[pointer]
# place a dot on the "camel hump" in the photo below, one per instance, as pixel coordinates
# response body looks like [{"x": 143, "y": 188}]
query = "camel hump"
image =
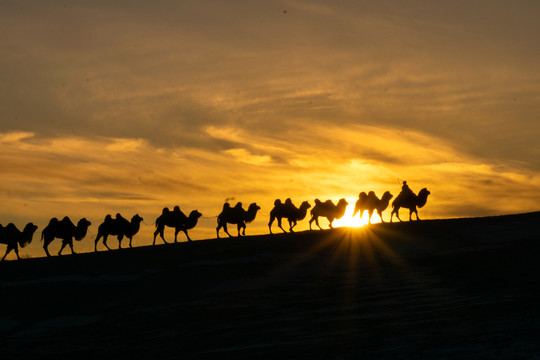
[
  {"x": 54, "y": 221},
  {"x": 328, "y": 203},
  {"x": 66, "y": 220},
  {"x": 165, "y": 211},
  {"x": 277, "y": 202},
  {"x": 318, "y": 202},
  {"x": 11, "y": 227},
  {"x": 226, "y": 207},
  {"x": 121, "y": 219}
]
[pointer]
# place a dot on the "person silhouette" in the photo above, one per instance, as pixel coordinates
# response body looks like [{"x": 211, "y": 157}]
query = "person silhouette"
[{"x": 406, "y": 190}]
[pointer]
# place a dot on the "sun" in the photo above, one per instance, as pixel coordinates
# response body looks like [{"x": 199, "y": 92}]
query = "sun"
[{"x": 349, "y": 221}]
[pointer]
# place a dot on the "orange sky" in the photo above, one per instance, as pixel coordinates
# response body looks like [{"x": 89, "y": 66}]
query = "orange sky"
[{"x": 131, "y": 106}]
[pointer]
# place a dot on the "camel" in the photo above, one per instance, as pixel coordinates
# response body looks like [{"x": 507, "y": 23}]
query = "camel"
[
  {"x": 178, "y": 220},
  {"x": 120, "y": 227},
  {"x": 64, "y": 230},
  {"x": 13, "y": 237},
  {"x": 328, "y": 210},
  {"x": 409, "y": 201},
  {"x": 288, "y": 211},
  {"x": 236, "y": 215},
  {"x": 371, "y": 203}
]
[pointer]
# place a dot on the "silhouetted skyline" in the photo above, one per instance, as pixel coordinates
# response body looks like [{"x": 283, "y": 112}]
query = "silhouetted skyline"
[{"x": 129, "y": 107}]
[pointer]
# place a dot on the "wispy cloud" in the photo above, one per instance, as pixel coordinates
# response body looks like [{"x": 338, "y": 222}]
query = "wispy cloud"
[{"x": 133, "y": 106}]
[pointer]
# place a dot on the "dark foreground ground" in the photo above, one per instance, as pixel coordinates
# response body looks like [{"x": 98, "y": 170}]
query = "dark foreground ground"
[{"x": 439, "y": 289}]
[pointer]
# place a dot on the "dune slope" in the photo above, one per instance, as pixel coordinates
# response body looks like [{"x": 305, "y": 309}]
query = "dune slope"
[{"x": 437, "y": 289}]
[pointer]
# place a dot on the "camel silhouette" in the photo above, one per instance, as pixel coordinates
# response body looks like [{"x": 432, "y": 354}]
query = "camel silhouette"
[
  {"x": 176, "y": 219},
  {"x": 64, "y": 230},
  {"x": 120, "y": 227},
  {"x": 371, "y": 203},
  {"x": 236, "y": 215},
  {"x": 409, "y": 201},
  {"x": 288, "y": 211},
  {"x": 328, "y": 210},
  {"x": 13, "y": 237}
]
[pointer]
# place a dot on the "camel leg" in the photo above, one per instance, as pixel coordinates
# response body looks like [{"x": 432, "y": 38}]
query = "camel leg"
[
  {"x": 411, "y": 211},
  {"x": 272, "y": 218},
  {"x": 238, "y": 227},
  {"x": 226, "y": 230},
  {"x": 155, "y": 234},
  {"x": 217, "y": 230},
  {"x": 395, "y": 211},
  {"x": 380, "y": 215},
  {"x": 310, "y": 221},
  {"x": 105, "y": 241},
  {"x": 244, "y": 229},
  {"x": 291, "y": 225},
  {"x": 279, "y": 225},
  {"x": 185, "y": 232},
  {"x": 120, "y": 238},
  {"x": 370, "y": 213},
  {"x": 8, "y": 250},
  {"x": 161, "y": 235},
  {"x": 96, "y": 242},
  {"x": 330, "y": 223},
  {"x": 176, "y": 231},
  {"x": 317, "y": 223},
  {"x": 45, "y": 247},
  {"x": 160, "y": 231},
  {"x": 71, "y": 246},
  {"x": 130, "y": 238},
  {"x": 62, "y": 248}
]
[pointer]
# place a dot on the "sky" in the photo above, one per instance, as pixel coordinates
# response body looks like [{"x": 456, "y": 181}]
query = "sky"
[{"x": 132, "y": 106}]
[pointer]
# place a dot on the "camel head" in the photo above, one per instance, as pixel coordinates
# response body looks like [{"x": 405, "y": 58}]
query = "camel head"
[
  {"x": 305, "y": 205},
  {"x": 422, "y": 197},
  {"x": 28, "y": 234},
  {"x": 424, "y": 192},
  {"x": 342, "y": 203},
  {"x": 254, "y": 207},
  {"x": 387, "y": 196},
  {"x": 194, "y": 215},
  {"x": 83, "y": 223},
  {"x": 136, "y": 219},
  {"x": 82, "y": 229}
]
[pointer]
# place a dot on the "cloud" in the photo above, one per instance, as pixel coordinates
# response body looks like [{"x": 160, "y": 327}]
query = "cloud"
[{"x": 134, "y": 106}]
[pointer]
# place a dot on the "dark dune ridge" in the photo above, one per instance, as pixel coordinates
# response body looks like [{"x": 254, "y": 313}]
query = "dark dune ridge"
[{"x": 435, "y": 289}]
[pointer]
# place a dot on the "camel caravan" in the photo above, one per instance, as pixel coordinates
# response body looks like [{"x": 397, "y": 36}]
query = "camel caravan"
[{"x": 121, "y": 228}]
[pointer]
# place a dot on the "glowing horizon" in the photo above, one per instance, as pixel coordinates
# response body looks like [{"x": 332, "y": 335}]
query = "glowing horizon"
[{"x": 126, "y": 107}]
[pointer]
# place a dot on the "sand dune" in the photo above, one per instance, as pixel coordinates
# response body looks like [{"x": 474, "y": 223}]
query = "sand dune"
[{"x": 437, "y": 289}]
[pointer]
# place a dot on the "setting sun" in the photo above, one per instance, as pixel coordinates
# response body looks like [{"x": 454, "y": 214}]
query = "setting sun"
[{"x": 349, "y": 221}]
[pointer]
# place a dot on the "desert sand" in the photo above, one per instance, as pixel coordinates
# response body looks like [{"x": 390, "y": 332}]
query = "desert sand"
[{"x": 434, "y": 289}]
